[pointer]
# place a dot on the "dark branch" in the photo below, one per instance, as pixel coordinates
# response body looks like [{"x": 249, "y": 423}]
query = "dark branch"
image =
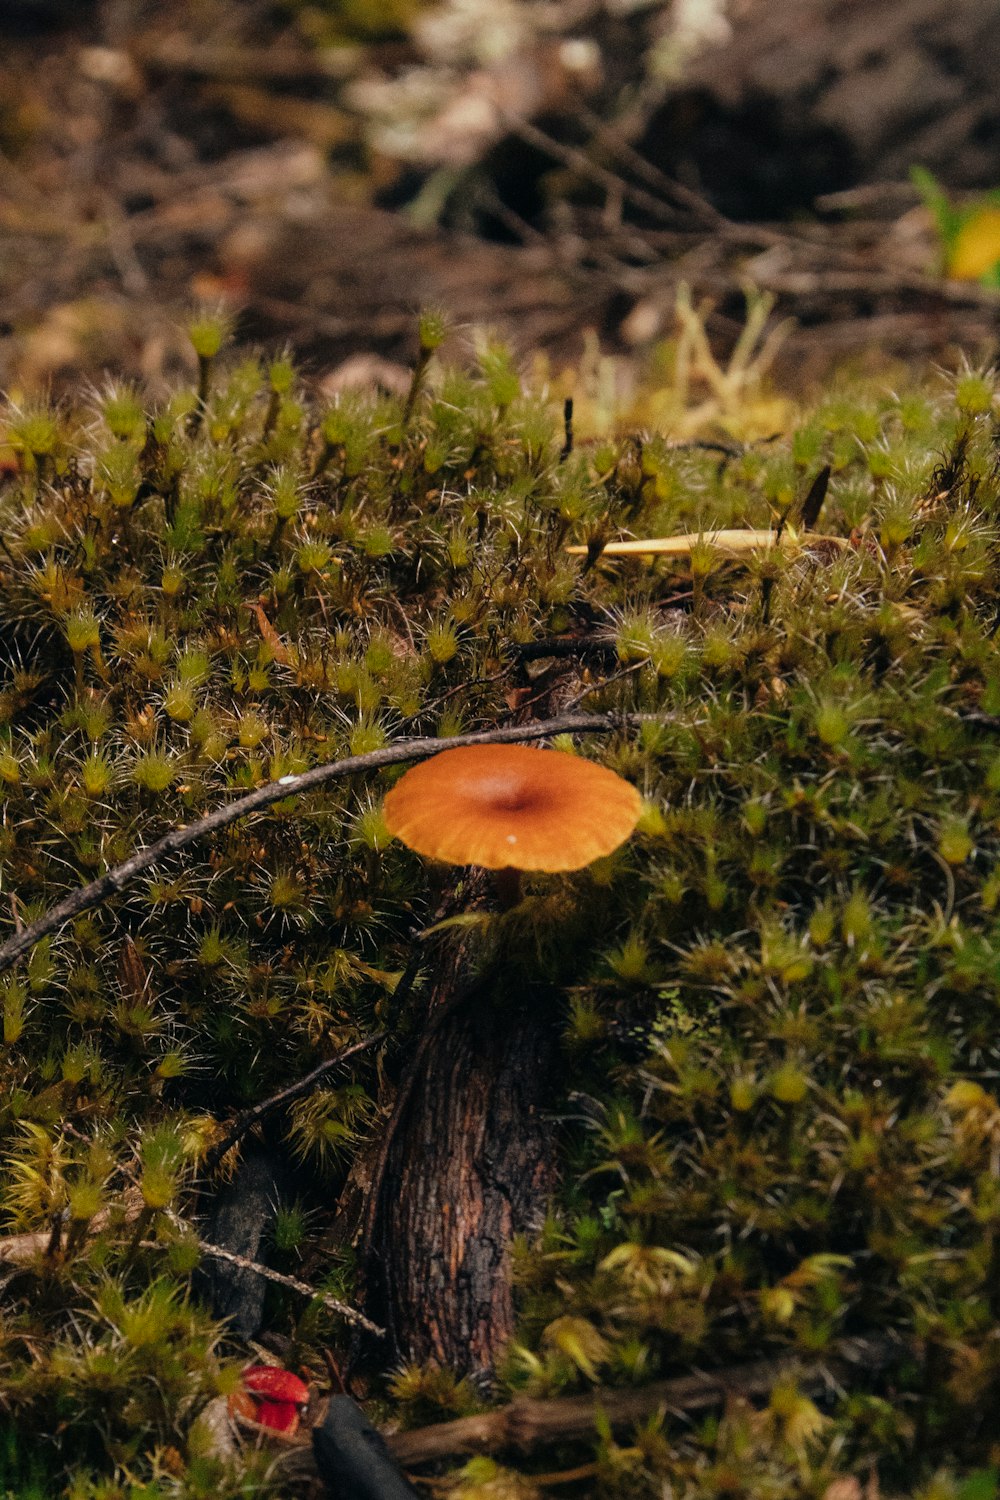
[
  {"x": 116, "y": 879},
  {"x": 308, "y": 1081},
  {"x": 563, "y": 646},
  {"x": 527, "y": 1423}
]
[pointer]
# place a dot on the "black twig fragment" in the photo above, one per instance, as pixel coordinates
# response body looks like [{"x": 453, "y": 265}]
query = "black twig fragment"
[
  {"x": 353, "y": 1460},
  {"x": 813, "y": 503},
  {"x": 567, "y": 447}
]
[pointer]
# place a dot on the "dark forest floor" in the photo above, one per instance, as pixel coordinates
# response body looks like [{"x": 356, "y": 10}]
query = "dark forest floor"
[{"x": 199, "y": 159}]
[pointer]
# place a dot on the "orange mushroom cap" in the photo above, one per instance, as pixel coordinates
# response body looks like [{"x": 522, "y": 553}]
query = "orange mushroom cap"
[{"x": 512, "y": 807}]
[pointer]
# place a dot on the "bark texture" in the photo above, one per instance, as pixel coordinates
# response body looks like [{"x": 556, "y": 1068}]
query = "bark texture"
[
  {"x": 468, "y": 1164},
  {"x": 240, "y": 1221}
]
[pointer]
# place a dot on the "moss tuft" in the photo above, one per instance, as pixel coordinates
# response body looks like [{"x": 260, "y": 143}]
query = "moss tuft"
[{"x": 778, "y": 1002}]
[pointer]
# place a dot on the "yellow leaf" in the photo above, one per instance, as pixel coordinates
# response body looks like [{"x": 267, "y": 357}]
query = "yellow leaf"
[
  {"x": 977, "y": 246},
  {"x": 580, "y": 1341}
]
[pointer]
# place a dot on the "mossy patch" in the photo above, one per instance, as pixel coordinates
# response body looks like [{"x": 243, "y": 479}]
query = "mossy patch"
[{"x": 780, "y": 998}]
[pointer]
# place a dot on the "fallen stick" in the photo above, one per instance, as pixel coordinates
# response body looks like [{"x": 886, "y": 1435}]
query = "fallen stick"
[
  {"x": 24, "y": 1249},
  {"x": 236, "y": 64},
  {"x": 217, "y": 1252},
  {"x": 527, "y": 1423}
]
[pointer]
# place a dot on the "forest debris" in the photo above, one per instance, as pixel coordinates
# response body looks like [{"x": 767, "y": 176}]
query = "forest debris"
[
  {"x": 279, "y": 651},
  {"x": 212, "y": 1434},
  {"x": 813, "y": 503},
  {"x": 364, "y": 371},
  {"x": 258, "y": 108},
  {"x": 21, "y": 1249},
  {"x": 113, "y": 67},
  {"x": 231, "y": 62},
  {"x": 353, "y": 1457},
  {"x": 734, "y": 542},
  {"x": 217, "y": 1252},
  {"x": 528, "y": 1423},
  {"x": 293, "y": 288}
]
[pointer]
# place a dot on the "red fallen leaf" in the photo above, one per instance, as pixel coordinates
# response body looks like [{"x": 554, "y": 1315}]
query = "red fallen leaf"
[
  {"x": 242, "y": 1404},
  {"x": 283, "y": 1416},
  {"x": 275, "y": 1396},
  {"x": 272, "y": 1384}
]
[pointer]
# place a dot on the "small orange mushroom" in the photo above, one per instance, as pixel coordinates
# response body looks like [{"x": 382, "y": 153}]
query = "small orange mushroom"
[{"x": 512, "y": 808}]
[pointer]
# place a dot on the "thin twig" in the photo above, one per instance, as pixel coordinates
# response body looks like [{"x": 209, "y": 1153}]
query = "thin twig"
[
  {"x": 235, "y": 64},
  {"x": 876, "y": 283},
  {"x": 560, "y": 646},
  {"x": 579, "y": 161},
  {"x": 216, "y": 1252},
  {"x": 115, "y": 880},
  {"x": 303, "y": 1085},
  {"x": 701, "y": 210},
  {"x": 567, "y": 447},
  {"x": 729, "y": 450},
  {"x": 596, "y": 687}
]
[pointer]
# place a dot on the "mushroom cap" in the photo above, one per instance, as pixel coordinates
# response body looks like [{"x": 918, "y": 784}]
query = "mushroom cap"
[{"x": 512, "y": 807}]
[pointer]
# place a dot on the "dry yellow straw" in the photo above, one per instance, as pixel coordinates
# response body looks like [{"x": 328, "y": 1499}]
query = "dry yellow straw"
[{"x": 734, "y": 542}]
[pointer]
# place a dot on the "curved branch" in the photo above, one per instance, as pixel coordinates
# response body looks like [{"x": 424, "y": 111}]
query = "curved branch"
[
  {"x": 249, "y": 1117},
  {"x": 116, "y": 879},
  {"x": 528, "y": 1423}
]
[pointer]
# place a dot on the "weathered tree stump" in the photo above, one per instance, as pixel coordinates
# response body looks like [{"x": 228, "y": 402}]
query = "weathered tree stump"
[{"x": 468, "y": 1163}]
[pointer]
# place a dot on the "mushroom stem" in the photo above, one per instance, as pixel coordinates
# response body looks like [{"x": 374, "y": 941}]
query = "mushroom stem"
[{"x": 507, "y": 884}]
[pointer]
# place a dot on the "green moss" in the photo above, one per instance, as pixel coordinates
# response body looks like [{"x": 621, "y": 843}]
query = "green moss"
[{"x": 779, "y": 1001}]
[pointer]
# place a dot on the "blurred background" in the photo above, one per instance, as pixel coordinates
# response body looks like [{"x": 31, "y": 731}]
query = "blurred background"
[{"x": 813, "y": 183}]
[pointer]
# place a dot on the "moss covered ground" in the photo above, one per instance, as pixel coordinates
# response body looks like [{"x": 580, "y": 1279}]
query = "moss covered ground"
[{"x": 779, "y": 1000}]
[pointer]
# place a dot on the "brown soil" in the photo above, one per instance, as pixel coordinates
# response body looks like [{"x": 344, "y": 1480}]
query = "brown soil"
[{"x": 142, "y": 173}]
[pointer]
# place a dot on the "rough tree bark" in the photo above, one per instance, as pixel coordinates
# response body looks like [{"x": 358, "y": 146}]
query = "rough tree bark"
[{"x": 467, "y": 1163}]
